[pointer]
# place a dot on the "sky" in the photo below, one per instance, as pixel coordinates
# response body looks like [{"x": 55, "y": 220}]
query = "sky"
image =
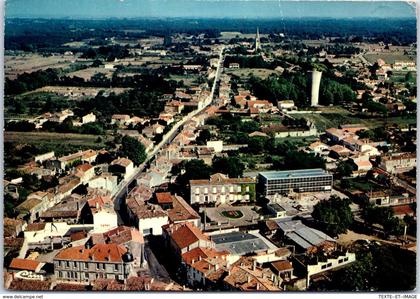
[{"x": 206, "y": 8}]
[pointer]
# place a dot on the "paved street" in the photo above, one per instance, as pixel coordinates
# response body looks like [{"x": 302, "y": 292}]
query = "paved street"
[{"x": 156, "y": 269}]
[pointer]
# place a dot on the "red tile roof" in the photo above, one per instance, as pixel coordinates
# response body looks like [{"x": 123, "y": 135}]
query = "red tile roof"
[
  {"x": 201, "y": 252},
  {"x": 181, "y": 210},
  {"x": 187, "y": 234},
  {"x": 35, "y": 227},
  {"x": 25, "y": 264},
  {"x": 282, "y": 266},
  {"x": 164, "y": 197},
  {"x": 84, "y": 167},
  {"x": 99, "y": 253},
  {"x": 70, "y": 287},
  {"x": 403, "y": 210},
  {"x": 30, "y": 285}
]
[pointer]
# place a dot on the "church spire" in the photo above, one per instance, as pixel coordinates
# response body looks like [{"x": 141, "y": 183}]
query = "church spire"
[{"x": 257, "y": 41}]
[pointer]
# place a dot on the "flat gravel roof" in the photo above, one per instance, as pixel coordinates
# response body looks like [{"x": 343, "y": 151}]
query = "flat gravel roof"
[{"x": 286, "y": 174}]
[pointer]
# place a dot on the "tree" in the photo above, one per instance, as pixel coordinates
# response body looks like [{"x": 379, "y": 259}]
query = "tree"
[
  {"x": 255, "y": 145},
  {"x": 334, "y": 215},
  {"x": 299, "y": 160},
  {"x": 197, "y": 169},
  {"x": 133, "y": 149},
  {"x": 232, "y": 166},
  {"x": 344, "y": 169},
  {"x": 204, "y": 136}
]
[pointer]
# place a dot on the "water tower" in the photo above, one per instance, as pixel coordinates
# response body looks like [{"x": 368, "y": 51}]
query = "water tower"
[{"x": 314, "y": 78}]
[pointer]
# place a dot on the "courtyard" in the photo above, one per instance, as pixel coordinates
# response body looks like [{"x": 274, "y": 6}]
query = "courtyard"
[{"x": 228, "y": 216}]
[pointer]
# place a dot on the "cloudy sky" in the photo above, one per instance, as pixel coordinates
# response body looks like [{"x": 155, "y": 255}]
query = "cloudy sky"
[{"x": 206, "y": 8}]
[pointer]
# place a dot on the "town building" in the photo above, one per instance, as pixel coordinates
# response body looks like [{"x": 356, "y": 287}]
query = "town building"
[
  {"x": 148, "y": 218},
  {"x": 177, "y": 208},
  {"x": 123, "y": 166},
  {"x": 398, "y": 163},
  {"x": 183, "y": 237},
  {"x": 128, "y": 237},
  {"x": 303, "y": 180},
  {"x": 88, "y": 118},
  {"x": 220, "y": 189},
  {"x": 102, "y": 261}
]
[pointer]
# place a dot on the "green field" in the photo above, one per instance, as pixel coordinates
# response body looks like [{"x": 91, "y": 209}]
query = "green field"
[
  {"x": 247, "y": 72},
  {"x": 61, "y": 143},
  {"x": 388, "y": 57},
  {"x": 33, "y": 103},
  {"x": 329, "y": 120}
]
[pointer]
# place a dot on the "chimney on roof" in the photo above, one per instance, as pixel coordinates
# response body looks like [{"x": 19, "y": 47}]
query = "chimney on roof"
[
  {"x": 248, "y": 278},
  {"x": 254, "y": 265},
  {"x": 97, "y": 205},
  {"x": 258, "y": 286}
]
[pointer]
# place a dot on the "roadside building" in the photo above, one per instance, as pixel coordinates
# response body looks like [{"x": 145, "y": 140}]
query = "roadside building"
[
  {"x": 398, "y": 163},
  {"x": 123, "y": 166},
  {"x": 102, "y": 261},
  {"x": 221, "y": 189}
]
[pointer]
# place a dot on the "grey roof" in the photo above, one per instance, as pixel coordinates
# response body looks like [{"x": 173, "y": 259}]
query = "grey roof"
[
  {"x": 276, "y": 207},
  {"x": 239, "y": 243},
  {"x": 303, "y": 235},
  {"x": 293, "y": 173}
]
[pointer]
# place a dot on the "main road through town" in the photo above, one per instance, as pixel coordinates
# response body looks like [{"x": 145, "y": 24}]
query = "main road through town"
[{"x": 126, "y": 185}]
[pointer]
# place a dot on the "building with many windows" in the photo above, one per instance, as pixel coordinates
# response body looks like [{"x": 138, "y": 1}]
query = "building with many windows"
[
  {"x": 285, "y": 182},
  {"x": 83, "y": 264},
  {"x": 220, "y": 189}
]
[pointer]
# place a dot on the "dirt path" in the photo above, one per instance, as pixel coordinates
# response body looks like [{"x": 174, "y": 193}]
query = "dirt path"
[{"x": 351, "y": 236}]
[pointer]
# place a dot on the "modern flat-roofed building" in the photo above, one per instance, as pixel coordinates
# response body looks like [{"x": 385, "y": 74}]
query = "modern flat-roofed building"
[{"x": 303, "y": 180}]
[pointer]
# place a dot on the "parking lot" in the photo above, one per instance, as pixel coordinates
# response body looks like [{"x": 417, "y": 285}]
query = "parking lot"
[{"x": 303, "y": 203}]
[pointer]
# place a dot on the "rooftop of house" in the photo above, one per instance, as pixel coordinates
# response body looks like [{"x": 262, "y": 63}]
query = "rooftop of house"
[
  {"x": 185, "y": 234},
  {"x": 164, "y": 197},
  {"x": 84, "y": 167},
  {"x": 122, "y": 162},
  {"x": 398, "y": 156},
  {"x": 26, "y": 264},
  {"x": 245, "y": 277},
  {"x": 82, "y": 154},
  {"x": 35, "y": 227},
  {"x": 143, "y": 210},
  {"x": 220, "y": 179},
  {"x": 339, "y": 149},
  {"x": 70, "y": 287},
  {"x": 10, "y": 225},
  {"x": 181, "y": 210},
  {"x": 119, "y": 235},
  {"x": 199, "y": 253},
  {"x": 403, "y": 210},
  {"x": 99, "y": 253},
  {"x": 30, "y": 285},
  {"x": 28, "y": 205},
  {"x": 120, "y": 116},
  {"x": 98, "y": 203},
  {"x": 316, "y": 144},
  {"x": 282, "y": 265}
]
